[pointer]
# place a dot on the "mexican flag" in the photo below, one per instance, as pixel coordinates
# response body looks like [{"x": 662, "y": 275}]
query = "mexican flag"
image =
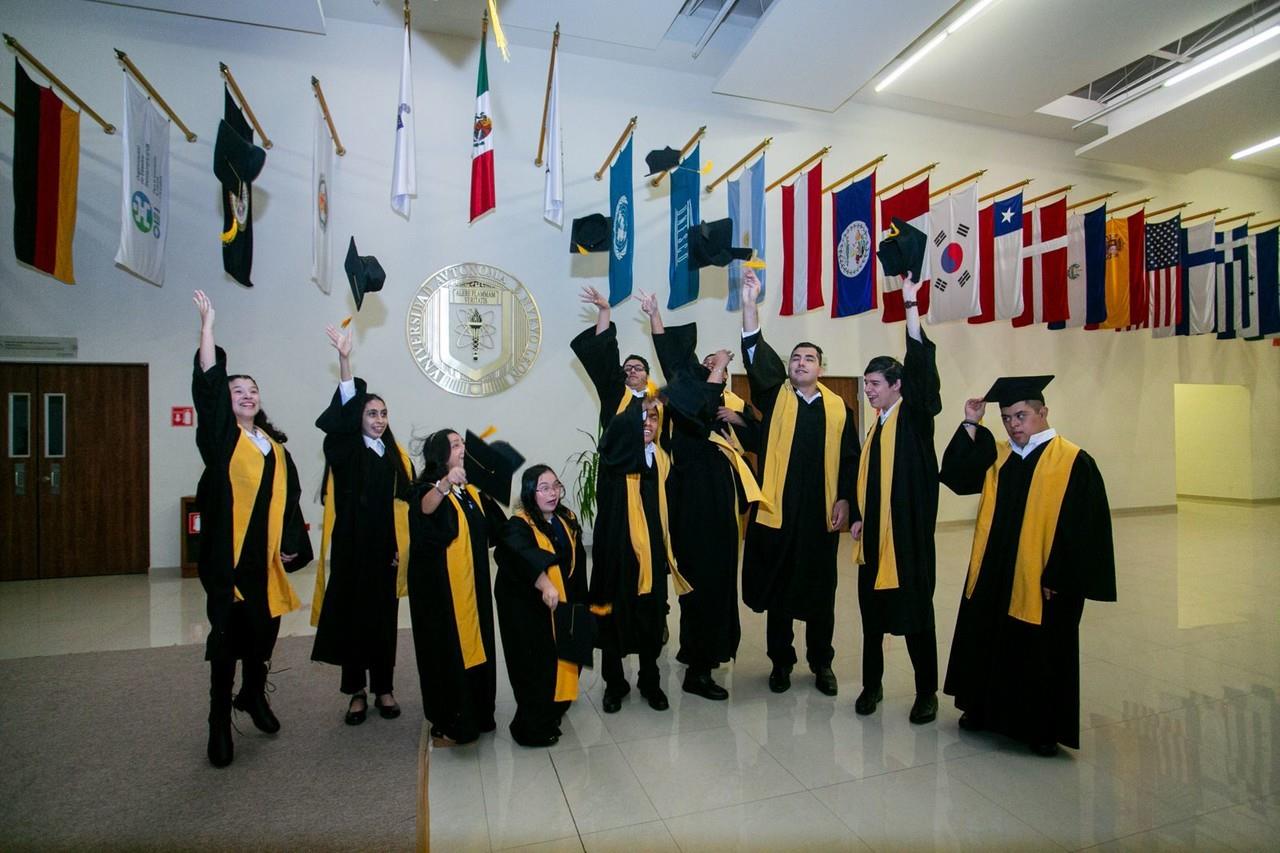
[{"x": 483, "y": 196}]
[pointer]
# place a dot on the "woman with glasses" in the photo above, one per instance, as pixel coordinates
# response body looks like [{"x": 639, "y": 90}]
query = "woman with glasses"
[{"x": 541, "y": 566}]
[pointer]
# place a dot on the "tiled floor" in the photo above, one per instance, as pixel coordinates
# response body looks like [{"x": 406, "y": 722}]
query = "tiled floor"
[{"x": 1179, "y": 719}]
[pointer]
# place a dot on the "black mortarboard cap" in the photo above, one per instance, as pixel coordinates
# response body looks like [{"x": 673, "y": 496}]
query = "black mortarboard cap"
[
  {"x": 1009, "y": 390},
  {"x": 490, "y": 466},
  {"x": 575, "y": 633},
  {"x": 687, "y": 395},
  {"x": 709, "y": 245},
  {"x": 363, "y": 272},
  {"x": 236, "y": 160},
  {"x": 902, "y": 252},
  {"x": 593, "y": 233},
  {"x": 662, "y": 160}
]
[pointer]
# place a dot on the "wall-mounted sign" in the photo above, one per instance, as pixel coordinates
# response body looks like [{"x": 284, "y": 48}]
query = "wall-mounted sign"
[
  {"x": 473, "y": 329},
  {"x": 182, "y": 416}
]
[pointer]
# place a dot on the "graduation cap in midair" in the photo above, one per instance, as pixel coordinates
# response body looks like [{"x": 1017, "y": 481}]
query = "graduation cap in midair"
[
  {"x": 490, "y": 466},
  {"x": 902, "y": 252},
  {"x": 236, "y": 160},
  {"x": 709, "y": 245},
  {"x": 363, "y": 272},
  {"x": 662, "y": 160},
  {"x": 1011, "y": 390},
  {"x": 591, "y": 233},
  {"x": 687, "y": 395}
]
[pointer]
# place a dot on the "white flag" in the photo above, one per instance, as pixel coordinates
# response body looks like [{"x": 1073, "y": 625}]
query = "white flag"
[
  {"x": 404, "y": 176},
  {"x": 144, "y": 223},
  {"x": 953, "y": 257},
  {"x": 321, "y": 194},
  {"x": 553, "y": 190},
  {"x": 1201, "y": 273}
]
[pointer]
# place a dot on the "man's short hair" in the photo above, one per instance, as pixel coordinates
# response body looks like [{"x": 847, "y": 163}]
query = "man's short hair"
[
  {"x": 822, "y": 359},
  {"x": 887, "y": 366},
  {"x": 641, "y": 359}
]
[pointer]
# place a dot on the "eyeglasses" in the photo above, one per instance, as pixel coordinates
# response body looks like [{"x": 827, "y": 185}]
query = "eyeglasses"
[
  {"x": 556, "y": 489},
  {"x": 634, "y": 368}
]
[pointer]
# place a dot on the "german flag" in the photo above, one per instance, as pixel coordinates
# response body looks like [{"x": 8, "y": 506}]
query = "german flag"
[{"x": 46, "y": 166}]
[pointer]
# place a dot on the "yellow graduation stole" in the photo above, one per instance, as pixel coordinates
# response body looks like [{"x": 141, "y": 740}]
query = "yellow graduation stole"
[
  {"x": 782, "y": 428},
  {"x": 566, "y": 671},
  {"x": 650, "y": 390},
  {"x": 462, "y": 584},
  {"x": 638, "y": 527},
  {"x": 245, "y": 473},
  {"x": 1039, "y": 524},
  {"x": 887, "y": 565},
  {"x": 401, "y": 510}
]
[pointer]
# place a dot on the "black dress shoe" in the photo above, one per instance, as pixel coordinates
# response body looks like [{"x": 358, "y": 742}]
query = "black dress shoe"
[
  {"x": 702, "y": 685},
  {"x": 613, "y": 698},
  {"x": 925, "y": 709},
  {"x": 524, "y": 738},
  {"x": 657, "y": 699},
  {"x": 387, "y": 712},
  {"x": 971, "y": 722},
  {"x": 867, "y": 700},
  {"x": 1047, "y": 749},
  {"x": 356, "y": 716},
  {"x": 780, "y": 679},
  {"x": 259, "y": 711},
  {"x": 825, "y": 680},
  {"x": 222, "y": 748}
]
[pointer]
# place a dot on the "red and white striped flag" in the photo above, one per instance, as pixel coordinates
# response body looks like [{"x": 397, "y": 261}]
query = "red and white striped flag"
[
  {"x": 1164, "y": 276},
  {"x": 911, "y": 206},
  {"x": 483, "y": 195},
  {"x": 1044, "y": 266},
  {"x": 802, "y": 243}
]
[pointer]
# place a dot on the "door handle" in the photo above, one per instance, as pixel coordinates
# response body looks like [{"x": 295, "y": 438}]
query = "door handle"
[
  {"x": 20, "y": 479},
  {"x": 54, "y": 478}
]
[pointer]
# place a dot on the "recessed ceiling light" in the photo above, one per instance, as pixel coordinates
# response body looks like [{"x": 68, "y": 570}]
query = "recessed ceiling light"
[
  {"x": 1254, "y": 149},
  {"x": 1223, "y": 56},
  {"x": 911, "y": 60}
]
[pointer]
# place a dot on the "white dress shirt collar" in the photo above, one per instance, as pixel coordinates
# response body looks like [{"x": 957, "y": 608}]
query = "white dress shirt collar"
[
  {"x": 260, "y": 441},
  {"x": 1035, "y": 441},
  {"x": 884, "y": 416}
]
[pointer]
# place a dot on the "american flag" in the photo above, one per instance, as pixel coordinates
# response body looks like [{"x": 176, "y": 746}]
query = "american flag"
[{"x": 1164, "y": 276}]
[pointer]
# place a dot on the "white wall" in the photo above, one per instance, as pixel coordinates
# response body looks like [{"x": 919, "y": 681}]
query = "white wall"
[
  {"x": 1114, "y": 394},
  {"x": 1213, "y": 441}
]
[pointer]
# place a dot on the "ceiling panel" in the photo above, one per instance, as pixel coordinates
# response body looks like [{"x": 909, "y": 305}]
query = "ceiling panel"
[
  {"x": 817, "y": 53},
  {"x": 1019, "y": 55},
  {"x": 303, "y": 15}
]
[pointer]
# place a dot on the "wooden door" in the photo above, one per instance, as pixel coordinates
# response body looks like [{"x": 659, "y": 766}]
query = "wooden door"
[
  {"x": 89, "y": 474},
  {"x": 19, "y": 468}
]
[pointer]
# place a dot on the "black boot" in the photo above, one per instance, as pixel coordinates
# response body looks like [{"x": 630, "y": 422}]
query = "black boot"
[
  {"x": 221, "y": 746},
  {"x": 252, "y": 698},
  {"x": 699, "y": 683}
]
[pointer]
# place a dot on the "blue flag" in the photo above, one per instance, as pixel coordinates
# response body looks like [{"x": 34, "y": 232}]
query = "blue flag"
[
  {"x": 1095, "y": 253},
  {"x": 1265, "y": 261},
  {"x": 622, "y": 246},
  {"x": 685, "y": 183},
  {"x": 854, "y": 268},
  {"x": 746, "y": 209},
  {"x": 1233, "y": 275}
]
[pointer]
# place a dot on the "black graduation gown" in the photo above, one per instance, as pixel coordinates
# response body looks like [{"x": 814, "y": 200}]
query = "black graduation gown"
[
  {"x": 217, "y": 434},
  {"x": 913, "y": 505},
  {"x": 706, "y": 501},
  {"x": 794, "y": 566},
  {"x": 635, "y": 624},
  {"x": 460, "y": 701},
  {"x": 358, "y": 620},
  {"x": 1023, "y": 679},
  {"x": 600, "y": 358},
  {"x": 528, "y": 640}
]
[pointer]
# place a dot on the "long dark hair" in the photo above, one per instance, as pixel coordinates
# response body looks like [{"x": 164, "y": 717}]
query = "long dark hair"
[
  {"x": 435, "y": 455},
  {"x": 260, "y": 420},
  {"x": 529, "y": 501},
  {"x": 403, "y": 477}
]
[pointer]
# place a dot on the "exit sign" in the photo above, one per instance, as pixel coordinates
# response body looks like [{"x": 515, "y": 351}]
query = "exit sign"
[{"x": 182, "y": 416}]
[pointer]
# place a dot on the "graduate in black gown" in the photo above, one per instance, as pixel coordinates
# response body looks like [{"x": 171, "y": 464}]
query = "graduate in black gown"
[
  {"x": 808, "y": 461},
  {"x": 618, "y": 384},
  {"x": 895, "y": 514},
  {"x": 251, "y": 533},
  {"x": 541, "y": 566},
  {"x": 356, "y": 609},
  {"x": 631, "y": 554},
  {"x": 452, "y": 525},
  {"x": 1042, "y": 545},
  {"x": 711, "y": 488}
]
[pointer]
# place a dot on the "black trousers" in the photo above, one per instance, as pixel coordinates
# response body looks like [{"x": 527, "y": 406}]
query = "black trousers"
[
  {"x": 381, "y": 679},
  {"x": 611, "y": 668},
  {"x": 780, "y": 636},
  {"x": 922, "y": 647},
  {"x": 252, "y": 639}
]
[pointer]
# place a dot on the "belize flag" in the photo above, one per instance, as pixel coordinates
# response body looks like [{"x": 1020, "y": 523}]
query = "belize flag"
[
  {"x": 483, "y": 195},
  {"x": 853, "y": 274}
]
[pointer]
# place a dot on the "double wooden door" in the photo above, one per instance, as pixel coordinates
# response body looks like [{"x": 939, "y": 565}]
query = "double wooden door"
[{"x": 74, "y": 472}]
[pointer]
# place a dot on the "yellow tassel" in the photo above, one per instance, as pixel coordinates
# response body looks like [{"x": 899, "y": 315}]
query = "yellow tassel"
[
  {"x": 230, "y": 234},
  {"x": 581, "y": 250},
  {"x": 488, "y": 431},
  {"x": 754, "y": 264},
  {"x": 707, "y": 168},
  {"x": 499, "y": 36},
  {"x": 346, "y": 322}
]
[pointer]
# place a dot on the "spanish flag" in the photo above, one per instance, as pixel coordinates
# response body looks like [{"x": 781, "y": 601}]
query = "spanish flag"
[{"x": 46, "y": 165}]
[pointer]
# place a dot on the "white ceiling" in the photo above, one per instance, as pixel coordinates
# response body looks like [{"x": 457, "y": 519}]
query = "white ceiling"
[{"x": 303, "y": 15}]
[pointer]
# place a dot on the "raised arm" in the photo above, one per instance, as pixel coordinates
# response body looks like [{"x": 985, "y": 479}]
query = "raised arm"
[
  {"x": 342, "y": 343},
  {"x": 649, "y": 305},
  {"x": 910, "y": 290},
  {"x": 208, "y": 348},
  {"x": 921, "y": 386},
  {"x": 749, "y": 293},
  {"x": 591, "y": 296},
  {"x": 970, "y": 453},
  {"x": 341, "y": 421}
]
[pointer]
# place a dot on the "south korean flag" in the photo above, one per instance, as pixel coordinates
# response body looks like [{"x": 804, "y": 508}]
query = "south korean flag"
[{"x": 953, "y": 256}]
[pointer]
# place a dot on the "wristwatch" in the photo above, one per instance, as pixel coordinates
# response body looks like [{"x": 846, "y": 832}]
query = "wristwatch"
[{"x": 443, "y": 491}]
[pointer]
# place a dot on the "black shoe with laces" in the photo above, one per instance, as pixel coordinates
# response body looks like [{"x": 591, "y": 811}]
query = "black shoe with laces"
[
  {"x": 258, "y": 709},
  {"x": 925, "y": 709},
  {"x": 702, "y": 685},
  {"x": 780, "y": 679},
  {"x": 825, "y": 680},
  {"x": 657, "y": 699},
  {"x": 612, "y": 702},
  {"x": 868, "y": 699}
]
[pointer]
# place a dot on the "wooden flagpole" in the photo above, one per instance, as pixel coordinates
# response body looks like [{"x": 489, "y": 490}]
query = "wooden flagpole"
[
  {"x": 688, "y": 146},
  {"x": 546, "y": 99},
  {"x": 966, "y": 179},
  {"x": 6, "y": 108},
  {"x": 1238, "y": 218},
  {"x": 1170, "y": 209},
  {"x": 917, "y": 173},
  {"x": 1129, "y": 205},
  {"x": 617, "y": 146},
  {"x": 858, "y": 171},
  {"x": 1003, "y": 190},
  {"x": 53, "y": 78},
  {"x": 738, "y": 165},
  {"x": 1049, "y": 194},
  {"x": 235, "y": 90},
  {"x": 1266, "y": 224},
  {"x": 324, "y": 108},
  {"x": 818, "y": 155},
  {"x": 155, "y": 96},
  {"x": 1202, "y": 214},
  {"x": 1102, "y": 197}
]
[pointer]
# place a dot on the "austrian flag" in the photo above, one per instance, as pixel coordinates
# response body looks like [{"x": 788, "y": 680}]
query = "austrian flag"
[{"x": 483, "y": 195}]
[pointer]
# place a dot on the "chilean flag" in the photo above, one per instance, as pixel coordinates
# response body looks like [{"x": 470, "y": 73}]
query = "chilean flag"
[
  {"x": 999, "y": 260},
  {"x": 483, "y": 195},
  {"x": 1044, "y": 266},
  {"x": 802, "y": 243},
  {"x": 911, "y": 206}
]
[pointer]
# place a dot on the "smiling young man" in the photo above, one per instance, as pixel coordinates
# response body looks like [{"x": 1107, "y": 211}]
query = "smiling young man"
[
  {"x": 1042, "y": 545},
  {"x": 619, "y": 385},
  {"x": 897, "y": 508},
  {"x": 808, "y": 459}
]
